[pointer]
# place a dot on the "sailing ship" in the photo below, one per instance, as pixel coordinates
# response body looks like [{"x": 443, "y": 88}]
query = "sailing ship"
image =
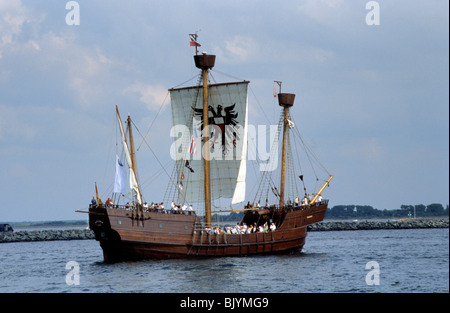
[{"x": 215, "y": 117}]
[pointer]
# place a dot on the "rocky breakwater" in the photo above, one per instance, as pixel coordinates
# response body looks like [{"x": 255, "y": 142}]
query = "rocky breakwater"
[
  {"x": 387, "y": 224},
  {"x": 47, "y": 235}
]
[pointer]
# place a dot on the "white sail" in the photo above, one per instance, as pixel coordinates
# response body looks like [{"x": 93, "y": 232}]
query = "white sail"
[
  {"x": 227, "y": 144},
  {"x": 133, "y": 181}
]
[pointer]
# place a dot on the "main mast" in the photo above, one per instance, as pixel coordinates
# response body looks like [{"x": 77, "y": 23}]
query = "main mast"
[{"x": 206, "y": 62}]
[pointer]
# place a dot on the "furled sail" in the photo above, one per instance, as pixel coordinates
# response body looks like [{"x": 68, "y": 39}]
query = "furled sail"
[{"x": 227, "y": 140}]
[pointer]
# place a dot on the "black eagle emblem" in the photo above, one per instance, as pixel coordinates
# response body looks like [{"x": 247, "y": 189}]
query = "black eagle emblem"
[{"x": 223, "y": 117}]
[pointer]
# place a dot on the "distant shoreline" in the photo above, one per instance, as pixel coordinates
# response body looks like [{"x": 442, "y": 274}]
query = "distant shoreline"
[
  {"x": 47, "y": 235},
  {"x": 404, "y": 223},
  {"x": 48, "y": 224},
  {"x": 85, "y": 234}
]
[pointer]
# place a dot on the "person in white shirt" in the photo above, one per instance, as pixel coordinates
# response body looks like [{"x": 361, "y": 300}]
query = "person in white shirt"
[
  {"x": 305, "y": 201},
  {"x": 174, "y": 207}
]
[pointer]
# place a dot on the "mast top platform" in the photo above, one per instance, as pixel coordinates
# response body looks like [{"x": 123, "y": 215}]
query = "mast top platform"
[
  {"x": 286, "y": 99},
  {"x": 204, "y": 61}
]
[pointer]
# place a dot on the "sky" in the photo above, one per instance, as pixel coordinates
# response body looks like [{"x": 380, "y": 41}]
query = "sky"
[{"x": 372, "y": 100}]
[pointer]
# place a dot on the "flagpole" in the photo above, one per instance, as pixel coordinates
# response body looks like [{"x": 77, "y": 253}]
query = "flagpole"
[{"x": 194, "y": 42}]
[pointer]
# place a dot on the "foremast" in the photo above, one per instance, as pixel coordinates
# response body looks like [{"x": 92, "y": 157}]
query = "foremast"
[
  {"x": 129, "y": 153},
  {"x": 206, "y": 62}
]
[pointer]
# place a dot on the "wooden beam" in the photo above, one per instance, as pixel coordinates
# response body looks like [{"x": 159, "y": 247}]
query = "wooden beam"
[{"x": 321, "y": 189}]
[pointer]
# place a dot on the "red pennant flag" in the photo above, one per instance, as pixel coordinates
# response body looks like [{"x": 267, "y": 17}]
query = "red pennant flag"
[{"x": 194, "y": 42}]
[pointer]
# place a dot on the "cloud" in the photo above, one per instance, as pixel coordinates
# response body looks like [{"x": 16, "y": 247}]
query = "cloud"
[
  {"x": 153, "y": 96},
  {"x": 311, "y": 55},
  {"x": 61, "y": 53},
  {"x": 322, "y": 10},
  {"x": 84, "y": 69},
  {"x": 238, "y": 49},
  {"x": 14, "y": 17}
]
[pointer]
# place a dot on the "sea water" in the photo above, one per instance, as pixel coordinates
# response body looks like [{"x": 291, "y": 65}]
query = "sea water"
[{"x": 381, "y": 261}]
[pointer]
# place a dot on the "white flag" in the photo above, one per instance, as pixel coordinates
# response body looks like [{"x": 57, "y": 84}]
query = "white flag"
[{"x": 119, "y": 182}]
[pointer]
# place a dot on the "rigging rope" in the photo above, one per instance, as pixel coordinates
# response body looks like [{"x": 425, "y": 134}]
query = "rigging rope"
[
  {"x": 154, "y": 119},
  {"x": 310, "y": 153},
  {"x": 144, "y": 140}
]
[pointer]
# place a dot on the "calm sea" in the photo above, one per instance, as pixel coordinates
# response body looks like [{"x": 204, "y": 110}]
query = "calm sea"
[{"x": 386, "y": 261}]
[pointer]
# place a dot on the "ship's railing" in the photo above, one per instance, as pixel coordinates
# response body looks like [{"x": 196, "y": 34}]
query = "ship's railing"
[
  {"x": 294, "y": 207},
  {"x": 131, "y": 208},
  {"x": 289, "y": 206}
]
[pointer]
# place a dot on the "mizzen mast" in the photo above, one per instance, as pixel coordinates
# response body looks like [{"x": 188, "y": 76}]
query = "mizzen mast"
[{"x": 285, "y": 100}]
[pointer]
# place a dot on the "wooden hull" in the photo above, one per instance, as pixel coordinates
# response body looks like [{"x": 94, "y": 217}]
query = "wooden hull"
[{"x": 156, "y": 235}]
